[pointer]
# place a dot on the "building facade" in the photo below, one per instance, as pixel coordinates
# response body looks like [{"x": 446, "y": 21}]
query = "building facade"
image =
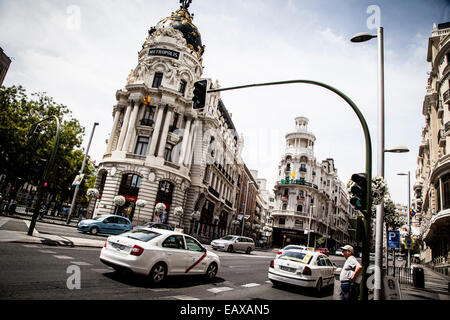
[
  {"x": 162, "y": 151},
  {"x": 310, "y": 201},
  {"x": 431, "y": 199},
  {"x": 5, "y": 61}
]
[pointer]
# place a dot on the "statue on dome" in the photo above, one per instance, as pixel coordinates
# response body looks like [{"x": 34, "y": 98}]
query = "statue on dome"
[{"x": 185, "y": 4}]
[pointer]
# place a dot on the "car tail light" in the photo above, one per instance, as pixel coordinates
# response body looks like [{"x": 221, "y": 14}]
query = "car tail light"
[
  {"x": 136, "y": 251},
  {"x": 279, "y": 252},
  {"x": 307, "y": 271},
  {"x": 272, "y": 264},
  {"x": 106, "y": 242}
]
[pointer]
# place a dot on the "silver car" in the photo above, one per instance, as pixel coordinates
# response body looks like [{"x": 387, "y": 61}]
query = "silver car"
[{"x": 234, "y": 243}]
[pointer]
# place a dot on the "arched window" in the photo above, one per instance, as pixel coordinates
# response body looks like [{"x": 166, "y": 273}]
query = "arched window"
[
  {"x": 164, "y": 195},
  {"x": 130, "y": 184}
]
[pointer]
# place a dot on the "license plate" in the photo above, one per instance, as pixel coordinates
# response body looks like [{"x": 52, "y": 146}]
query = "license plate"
[
  {"x": 288, "y": 269},
  {"x": 118, "y": 246}
]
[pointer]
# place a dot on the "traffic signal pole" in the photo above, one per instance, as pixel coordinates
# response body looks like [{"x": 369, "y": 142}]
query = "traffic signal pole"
[{"x": 367, "y": 211}]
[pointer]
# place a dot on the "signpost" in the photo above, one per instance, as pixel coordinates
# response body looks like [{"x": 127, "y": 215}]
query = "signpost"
[{"x": 393, "y": 239}]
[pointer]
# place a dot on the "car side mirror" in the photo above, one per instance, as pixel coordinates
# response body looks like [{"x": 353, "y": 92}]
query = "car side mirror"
[{"x": 204, "y": 249}]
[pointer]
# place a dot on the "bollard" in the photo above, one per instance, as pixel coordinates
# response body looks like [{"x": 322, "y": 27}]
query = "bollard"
[{"x": 337, "y": 285}]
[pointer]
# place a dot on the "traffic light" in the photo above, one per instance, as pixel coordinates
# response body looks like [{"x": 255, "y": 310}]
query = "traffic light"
[
  {"x": 199, "y": 99},
  {"x": 359, "y": 191}
]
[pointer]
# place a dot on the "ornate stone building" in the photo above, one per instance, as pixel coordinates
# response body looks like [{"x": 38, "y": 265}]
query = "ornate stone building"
[
  {"x": 308, "y": 193},
  {"x": 431, "y": 199},
  {"x": 161, "y": 150}
]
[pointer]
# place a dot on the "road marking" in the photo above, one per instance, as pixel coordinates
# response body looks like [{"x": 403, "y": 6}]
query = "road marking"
[
  {"x": 81, "y": 263},
  {"x": 3, "y": 221},
  {"x": 47, "y": 251},
  {"x": 184, "y": 298},
  {"x": 63, "y": 257},
  {"x": 250, "y": 285},
  {"x": 35, "y": 231},
  {"x": 102, "y": 270},
  {"x": 220, "y": 289}
]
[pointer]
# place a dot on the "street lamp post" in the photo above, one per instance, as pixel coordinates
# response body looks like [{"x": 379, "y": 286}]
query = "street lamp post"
[
  {"x": 44, "y": 175},
  {"x": 408, "y": 213},
  {"x": 368, "y": 147},
  {"x": 81, "y": 172},
  {"x": 245, "y": 207},
  {"x": 362, "y": 37},
  {"x": 309, "y": 227}
]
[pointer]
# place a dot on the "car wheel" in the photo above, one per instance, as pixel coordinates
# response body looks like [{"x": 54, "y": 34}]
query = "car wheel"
[
  {"x": 275, "y": 283},
  {"x": 158, "y": 273},
  {"x": 230, "y": 248},
  {"x": 211, "y": 272},
  {"x": 249, "y": 250},
  {"x": 319, "y": 286},
  {"x": 94, "y": 230}
]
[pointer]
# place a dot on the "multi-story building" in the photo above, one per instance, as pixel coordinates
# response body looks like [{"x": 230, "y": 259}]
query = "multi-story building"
[
  {"x": 309, "y": 198},
  {"x": 162, "y": 151},
  {"x": 5, "y": 61},
  {"x": 432, "y": 187}
]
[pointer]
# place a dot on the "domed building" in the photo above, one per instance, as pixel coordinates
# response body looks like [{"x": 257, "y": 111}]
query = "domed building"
[
  {"x": 162, "y": 151},
  {"x": 310, "y": 201}
]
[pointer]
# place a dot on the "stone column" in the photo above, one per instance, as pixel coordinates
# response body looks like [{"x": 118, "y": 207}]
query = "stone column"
[
  {"x": 189, "y": 144},
  {"x": 155, "y": 135},
  {"x": 117, "y": 112},
  {"x": 165, "y": 131},
  {"x": 184, "y": 144},
  {"x": 123, "y": 131},
  {"x": 131, "y": 125}
]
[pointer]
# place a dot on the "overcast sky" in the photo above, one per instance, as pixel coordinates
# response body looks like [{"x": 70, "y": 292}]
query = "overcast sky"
[{"x": 81, "y": 52}]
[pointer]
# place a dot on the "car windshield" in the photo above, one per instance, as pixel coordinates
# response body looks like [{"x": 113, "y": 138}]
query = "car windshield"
[
  {"x": 228, "y": 238},
  {"x": 293, "y": 247},
  {"x": 302, "y": 257},
  {"x": 99, "y": 218},
  {"x": 141, "y": 235}
]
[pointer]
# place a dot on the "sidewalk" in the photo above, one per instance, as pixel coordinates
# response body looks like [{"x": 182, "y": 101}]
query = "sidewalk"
[
  {"x": 436, "y": 287},
  {"x": 15, "y": 229}
]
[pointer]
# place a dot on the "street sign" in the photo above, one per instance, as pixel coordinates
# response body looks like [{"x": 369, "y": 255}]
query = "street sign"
[
  {"x": 408, "y": 242},
  {"x": 393, "y": 239},
  {"x": 77, "y": 180}
]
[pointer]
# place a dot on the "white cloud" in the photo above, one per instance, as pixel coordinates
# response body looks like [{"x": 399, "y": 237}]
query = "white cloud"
[{"x": 246, "y": 42}]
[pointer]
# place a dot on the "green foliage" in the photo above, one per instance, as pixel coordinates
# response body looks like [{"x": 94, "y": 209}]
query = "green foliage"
[{"x": 24, "y": 152}]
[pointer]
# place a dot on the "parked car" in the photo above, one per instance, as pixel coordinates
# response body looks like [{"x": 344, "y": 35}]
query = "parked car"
[
  {"x": 155, "y": 225},
  {"x": 338, "y": 252},
  {"x": 289, "y": 247},
  {"x": 158, "y": 253},
  {"x": 109, "y": 224},
  {"x": 302, "y": 268},
  {"x": 234, "y": 243},
  {"x": 323, "y": 251}
]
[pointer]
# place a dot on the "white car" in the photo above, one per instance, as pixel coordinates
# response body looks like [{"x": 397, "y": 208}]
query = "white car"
[
  {"x": 159, "y": 253},
  {"x": 289, "y": 247},
  {"x": 302, "y": 268},
  {"x": 234, "y": 243}
]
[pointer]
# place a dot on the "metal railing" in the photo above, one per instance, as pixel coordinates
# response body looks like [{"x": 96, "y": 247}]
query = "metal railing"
[{"x": 404, "y": 275}]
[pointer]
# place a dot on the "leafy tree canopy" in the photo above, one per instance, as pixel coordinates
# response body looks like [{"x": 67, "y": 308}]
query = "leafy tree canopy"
[{"x": 24, "y": 152}]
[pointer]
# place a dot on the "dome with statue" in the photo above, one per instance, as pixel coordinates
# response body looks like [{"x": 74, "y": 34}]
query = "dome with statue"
[{"x": 182, "y": 20}]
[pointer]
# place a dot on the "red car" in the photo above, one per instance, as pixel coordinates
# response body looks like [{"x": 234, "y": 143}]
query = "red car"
[{"x": 323, "y": 251}]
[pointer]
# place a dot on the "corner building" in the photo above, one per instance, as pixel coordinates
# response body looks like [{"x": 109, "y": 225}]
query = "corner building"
[
  {"x": 308, "y": 195},
  {"x": 431, "y": 199},
  {"x": 161, "y": 150}
]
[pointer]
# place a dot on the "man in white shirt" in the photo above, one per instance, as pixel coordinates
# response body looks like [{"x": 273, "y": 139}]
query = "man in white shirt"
[{"x": 350, "y": 275}]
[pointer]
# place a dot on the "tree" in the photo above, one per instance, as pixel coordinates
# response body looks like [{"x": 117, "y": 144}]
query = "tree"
[{"x": 24, "y": 152}]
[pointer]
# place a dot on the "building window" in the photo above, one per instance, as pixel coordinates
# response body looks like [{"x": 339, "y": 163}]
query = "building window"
[
  {"x": 300, "y": 208},
  {"x": 157, "y": 80},
  {"x": 168, "y": 153},
  {"x": 130, "y": 184},
  {"x": 446, "y": 191},
  {"x": 303, "y": 167},
  {"x": 174, "y": 124},
  {"x": 282, "y": 221},
  {"x": 284, "y": 207},
  {"x": 182, "y": 87},
  {"x": 141, "y": 146},
  {"x": 149, "y": 113}
]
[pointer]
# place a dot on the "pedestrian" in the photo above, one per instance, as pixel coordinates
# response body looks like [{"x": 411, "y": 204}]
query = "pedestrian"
[{"x": 350, "y": 276}]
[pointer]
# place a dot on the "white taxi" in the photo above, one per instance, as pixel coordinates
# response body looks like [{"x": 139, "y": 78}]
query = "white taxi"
[
  {"x": 302, "y": 268},
  {"x": 159, "y": 253}
]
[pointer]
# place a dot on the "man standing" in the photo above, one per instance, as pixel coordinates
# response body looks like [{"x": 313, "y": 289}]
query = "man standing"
[{"x": 350, "y": 275}]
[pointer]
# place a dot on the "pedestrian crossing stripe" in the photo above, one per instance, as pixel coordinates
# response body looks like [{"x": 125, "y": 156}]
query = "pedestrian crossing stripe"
[
  {"x": 220, "y": 289},
  {"x": 250, "y": 285}
]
